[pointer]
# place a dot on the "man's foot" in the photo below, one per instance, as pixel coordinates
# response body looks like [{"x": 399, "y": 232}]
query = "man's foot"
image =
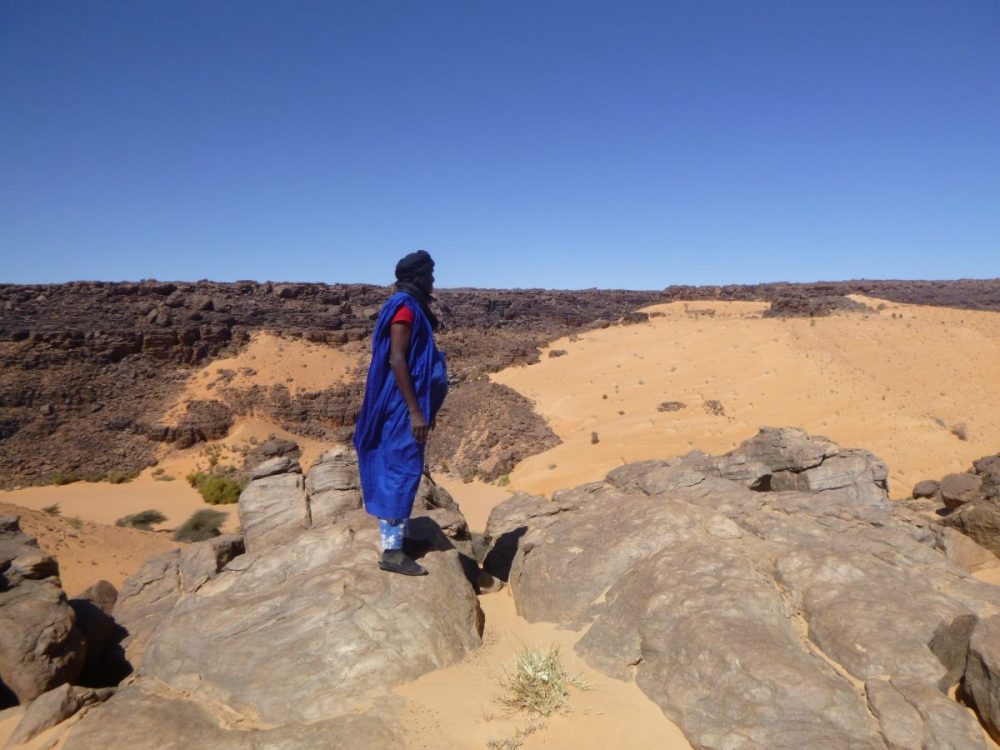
[{"x": 397, "y": 561}]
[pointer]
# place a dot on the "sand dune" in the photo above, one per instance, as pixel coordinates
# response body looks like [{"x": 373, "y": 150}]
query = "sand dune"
[{"x": 903, "y": 381}]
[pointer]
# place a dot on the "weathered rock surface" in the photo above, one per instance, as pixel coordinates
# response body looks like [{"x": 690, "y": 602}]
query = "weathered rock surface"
[
  {"x": 40, "y": 645},
  {"x": 750, "y": 594},
  {"x": 958, "y": 489},
  {"x": 149, "y": 595},
  {"x": 52, "y": 707},
  {"x": 93, "y": 608},
  {"x": 142, "y": 715},
  {"x": 303, "y": 632}
]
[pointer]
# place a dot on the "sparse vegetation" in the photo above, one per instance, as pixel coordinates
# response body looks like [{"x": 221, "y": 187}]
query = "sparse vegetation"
[
  {"x": 594, "y": 439},
  {"x": 144, "y": 520},
  {"x": 503, "y": 480},
  {"x": 52, "y": 510},
  {"x": 75, "y": 522},
  {"x": 60, "y": 478},
  {"x": 203, "y": 524},
  {"x": 215, "y": 489},
  {"x": 164, "y": 478},
  {"x": 158, "y": 471},
  {"x": 539, "y": 683},
  {"x": 960, "y": 430},
  {"x": 119, "y": 477}
]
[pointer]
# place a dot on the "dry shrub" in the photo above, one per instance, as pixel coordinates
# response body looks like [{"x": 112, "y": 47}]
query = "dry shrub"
[
  {"x": 144, "y": 519},
  {"x": 539, "y": 683}
]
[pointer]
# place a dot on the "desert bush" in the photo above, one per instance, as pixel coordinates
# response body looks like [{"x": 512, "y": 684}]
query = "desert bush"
[
  {"x": 539, "y": 683},
  {"x": 503, "y": 480},
  {"x": 203, "y": 524},
  {"x": 215, "y": 489},
  {"x": 119, "y": 477},
  {"x": 52, "y": 510},
  {"x": 158, "y": 471},
  {"x": 960, "y": 430},
  {"x": 60, "y": 478},
  {"x": 164, "y": 478},
  {"x": 75, "y": 522},
  {"x": 144, "y": 519}
]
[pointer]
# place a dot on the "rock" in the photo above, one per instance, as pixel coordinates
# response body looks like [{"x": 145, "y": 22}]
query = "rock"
[
  {"x": 288, "y": 609},
  {"x": 982, "y": 674},
  {"x": 671, "y": 406},
  {"x": 962, "y": 552},
  {"x": 40, "y": 646},
  {"x": 980, "y": 521},
  {"x": 554, "y": 353},
  {"x": 958, "y": 489},
  {"x": 200, "y": 563},
  {"x": 277, "y": 465},
  {"x": 52, "y": 707},
  {"x": 140, "y": 716},
  {"x": 926, "y": 488},
  {"x": 93, "y": 608},
  {"x": 692, "y": 578},
  {"x": 273, "y": 508},
  {"x": 913, "y": 716},
  {"x": 333, "y": 486},
  {"x": 279, "y": 447},
  {"x": 148, "y": 596},
  {"x": 145, "y": 599}
]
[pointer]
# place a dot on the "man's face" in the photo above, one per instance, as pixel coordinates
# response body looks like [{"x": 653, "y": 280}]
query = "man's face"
[{"x": 426, "y": 282}]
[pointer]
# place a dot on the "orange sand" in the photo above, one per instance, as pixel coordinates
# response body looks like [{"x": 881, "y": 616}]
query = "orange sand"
[
  {"x": 458, "y": 707},
  {"x": 865, "y": 380}
]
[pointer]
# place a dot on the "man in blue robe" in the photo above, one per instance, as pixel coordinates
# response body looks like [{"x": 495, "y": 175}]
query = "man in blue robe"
[{"x": 406, "y": 385}]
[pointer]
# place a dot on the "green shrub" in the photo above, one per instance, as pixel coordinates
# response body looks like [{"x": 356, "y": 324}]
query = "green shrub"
[
  {"x": 75, "y": 522},
  {"x": 203, "y": 524},
  {"x": 144, "y": 520},
  {"x": 163, "y": 478},
  {"x": 216, "y": 489},
  {"x": 119, "y": 477},
  {"x": 60, "y": 478}
]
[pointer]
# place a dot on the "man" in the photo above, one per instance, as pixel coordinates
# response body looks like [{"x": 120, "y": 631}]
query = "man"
[{"x": 407, "y": 383}]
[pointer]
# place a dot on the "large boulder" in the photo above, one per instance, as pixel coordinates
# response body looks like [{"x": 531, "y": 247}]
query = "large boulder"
[
  {"x": 40, "y": 645},
  {"x": 750, "y": 595},
  {"x": 302, "y": 633}
]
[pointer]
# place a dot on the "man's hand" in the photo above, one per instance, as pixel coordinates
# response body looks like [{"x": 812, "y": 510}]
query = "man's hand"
[{"x": 419, "y": 427}]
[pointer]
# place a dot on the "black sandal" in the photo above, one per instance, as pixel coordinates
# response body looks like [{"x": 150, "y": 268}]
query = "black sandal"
[{"x": 397, "y": 561}]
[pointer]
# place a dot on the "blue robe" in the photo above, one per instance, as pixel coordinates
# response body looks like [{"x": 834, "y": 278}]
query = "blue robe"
[{"x": 390, "y": 460}]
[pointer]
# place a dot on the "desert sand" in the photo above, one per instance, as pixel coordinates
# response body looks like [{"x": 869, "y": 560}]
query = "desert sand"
[
  {"x": 459, "y": 706},
  {"x": 903, "y": 381}
]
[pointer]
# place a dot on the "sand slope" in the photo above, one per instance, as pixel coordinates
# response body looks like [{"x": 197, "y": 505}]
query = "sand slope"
[{"x": 894, "y": 381}]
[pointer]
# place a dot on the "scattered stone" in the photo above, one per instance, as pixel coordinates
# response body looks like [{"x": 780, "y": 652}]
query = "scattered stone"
[
  {"x": 958, "y": 489},
  {"x": 553, "y": 353},
  {"x": 926, "y": 488},
  {"x": 40, "y": 646},
  {"x": 277, "y": 465}
]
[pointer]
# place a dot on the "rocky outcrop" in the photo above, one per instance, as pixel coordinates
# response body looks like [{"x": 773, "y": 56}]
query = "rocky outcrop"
[
  {"x": 40, "y": 645},
  {"x": 491, "y": 428},
  {"x": 969, "y": 501},
  {"x": 749, "y": 595},
  {"x": 325, "y": 630}
]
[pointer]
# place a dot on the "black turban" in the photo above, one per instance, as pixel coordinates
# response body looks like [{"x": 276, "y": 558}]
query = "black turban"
[{"x": 413, "y": 265}]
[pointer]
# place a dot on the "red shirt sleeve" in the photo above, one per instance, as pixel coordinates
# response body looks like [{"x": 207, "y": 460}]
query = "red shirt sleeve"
[{"x": 403, "y": 315}]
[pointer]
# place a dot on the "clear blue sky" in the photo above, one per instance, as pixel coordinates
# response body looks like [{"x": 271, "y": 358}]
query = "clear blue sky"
[{"x": 524, "y": 143}]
